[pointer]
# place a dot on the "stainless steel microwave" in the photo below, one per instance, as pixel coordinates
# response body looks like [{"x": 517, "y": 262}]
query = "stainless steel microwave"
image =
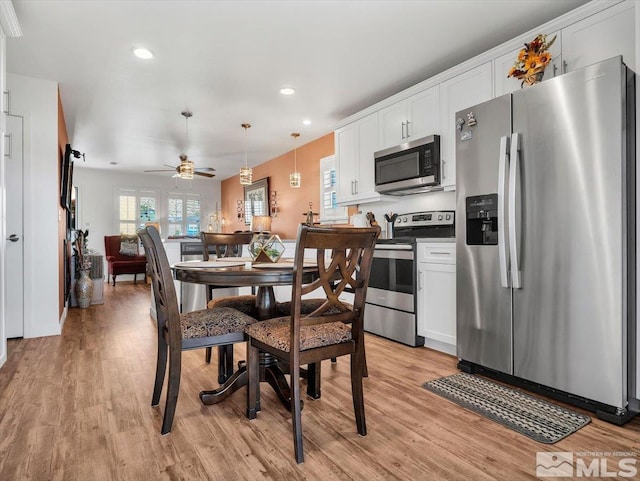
[{"x": 409, "y": 168}]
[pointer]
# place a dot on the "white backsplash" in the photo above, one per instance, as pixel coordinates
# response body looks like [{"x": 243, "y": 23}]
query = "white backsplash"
[{"x": 410, "y": 203}]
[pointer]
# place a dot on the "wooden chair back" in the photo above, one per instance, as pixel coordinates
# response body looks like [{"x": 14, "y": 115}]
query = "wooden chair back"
[
  {"x": 224, "y": 244},
  {"x": 344, "y": 257},
  {"x": 164, "y": 291}
]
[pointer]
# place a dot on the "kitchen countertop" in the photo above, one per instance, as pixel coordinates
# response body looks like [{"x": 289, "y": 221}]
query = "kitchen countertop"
[{"x": 437, "y": 240}]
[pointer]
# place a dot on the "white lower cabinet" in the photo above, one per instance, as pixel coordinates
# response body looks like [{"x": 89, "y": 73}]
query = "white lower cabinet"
[{"x": 437, "y": 296}]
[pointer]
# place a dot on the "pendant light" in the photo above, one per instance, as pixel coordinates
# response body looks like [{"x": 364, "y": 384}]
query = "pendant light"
[
  {"x": 185, "y": 170},
  {"x": 246, "y": 173},
  {"x": 295, "y": 178}
]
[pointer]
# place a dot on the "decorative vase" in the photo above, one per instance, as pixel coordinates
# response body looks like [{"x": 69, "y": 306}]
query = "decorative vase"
[
  {"x": 533, "y": 78},
  {"x": 84, "y": 289}
]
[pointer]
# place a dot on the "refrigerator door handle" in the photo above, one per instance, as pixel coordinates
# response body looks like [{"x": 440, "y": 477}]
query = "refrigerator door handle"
[
  {"x": 514, "y": 161},
  {"x": 503, "y": 244}
]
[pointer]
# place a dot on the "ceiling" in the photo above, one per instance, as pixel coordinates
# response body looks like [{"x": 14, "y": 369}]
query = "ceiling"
[{"x": 227, "y": 60}]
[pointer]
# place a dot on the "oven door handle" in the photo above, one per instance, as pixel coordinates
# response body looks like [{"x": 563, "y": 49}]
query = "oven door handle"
[{"x": 393, "y": 254}]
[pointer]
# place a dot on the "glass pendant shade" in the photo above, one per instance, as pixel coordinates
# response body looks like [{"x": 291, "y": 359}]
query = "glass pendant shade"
[
  {"x": 246, "y": 173},
  {"x": 246, "y": 176},
  {"x": 295, "y": 178}
]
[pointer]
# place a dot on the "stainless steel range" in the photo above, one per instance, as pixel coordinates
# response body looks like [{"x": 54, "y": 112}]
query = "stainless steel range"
[{"x": 391, "y": 298}]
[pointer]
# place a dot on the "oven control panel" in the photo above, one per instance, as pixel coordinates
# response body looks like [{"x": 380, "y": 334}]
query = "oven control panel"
[{"x": 426, "y": 219}]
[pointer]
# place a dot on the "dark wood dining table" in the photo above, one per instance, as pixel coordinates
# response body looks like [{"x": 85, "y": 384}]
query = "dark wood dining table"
[{"x": 264, "y": 277}]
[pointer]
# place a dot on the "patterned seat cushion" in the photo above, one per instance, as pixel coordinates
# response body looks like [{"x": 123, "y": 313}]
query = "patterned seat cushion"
[
  {"x": 275, "y": 332},
  {"x": 213, "y": 322},
  {"x": 245, "y": 304},
  {"x": 307, "y": 307}
]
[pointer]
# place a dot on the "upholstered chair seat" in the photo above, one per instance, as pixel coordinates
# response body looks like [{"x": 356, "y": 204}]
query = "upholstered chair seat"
[
  {"x": 276, "y": 333},
  {"x": 217, "y": 321},
  {"x": 244, "y": 303}
]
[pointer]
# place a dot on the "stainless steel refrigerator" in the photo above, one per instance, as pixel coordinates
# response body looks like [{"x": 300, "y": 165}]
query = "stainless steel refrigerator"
[{"x": 545, "y": 235}]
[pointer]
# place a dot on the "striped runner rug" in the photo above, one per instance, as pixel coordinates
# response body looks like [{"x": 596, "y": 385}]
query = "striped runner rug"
[{"x": 540, "y": 420}]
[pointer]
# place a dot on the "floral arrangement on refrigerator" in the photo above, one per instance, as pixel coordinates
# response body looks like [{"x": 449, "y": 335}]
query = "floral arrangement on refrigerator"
[{"x": 532, "y": 60}]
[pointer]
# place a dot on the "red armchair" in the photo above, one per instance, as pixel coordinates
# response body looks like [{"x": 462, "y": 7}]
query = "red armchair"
[{"x": 123, "y": 264}]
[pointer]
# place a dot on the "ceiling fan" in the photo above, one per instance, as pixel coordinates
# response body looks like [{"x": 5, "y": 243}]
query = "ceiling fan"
[{"x": 187, "y": 169}]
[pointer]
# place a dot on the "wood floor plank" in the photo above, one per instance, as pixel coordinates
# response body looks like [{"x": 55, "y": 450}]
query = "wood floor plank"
[{"x": 77, "y": 407}]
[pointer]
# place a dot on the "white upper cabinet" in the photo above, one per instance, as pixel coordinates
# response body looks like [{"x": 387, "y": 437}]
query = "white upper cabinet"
[
  {"x": 410, "y": 119},
  {"x": 469, "y": 88},
  {"x": 601, "y": 36},
  {"x": 355, "y": 175},
  {"x": 501, "y": 66}
]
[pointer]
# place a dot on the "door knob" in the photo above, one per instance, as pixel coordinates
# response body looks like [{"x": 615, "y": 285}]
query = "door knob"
[{"x": 13, "y": 238}]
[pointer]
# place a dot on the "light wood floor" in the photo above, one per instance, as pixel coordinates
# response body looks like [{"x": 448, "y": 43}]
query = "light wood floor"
[{"x": 77, "y": 407}]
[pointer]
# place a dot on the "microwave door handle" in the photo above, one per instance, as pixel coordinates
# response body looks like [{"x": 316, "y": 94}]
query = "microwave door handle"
[
  {"x": 514, "y": 161},
  {"x": 503, "y": 244}
]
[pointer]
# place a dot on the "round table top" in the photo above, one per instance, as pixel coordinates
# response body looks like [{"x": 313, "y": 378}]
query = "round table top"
[{"x": 281, "y": 274}]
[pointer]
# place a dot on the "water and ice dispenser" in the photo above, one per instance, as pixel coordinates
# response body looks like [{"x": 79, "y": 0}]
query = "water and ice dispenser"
[{"x": 482, "y": 219}]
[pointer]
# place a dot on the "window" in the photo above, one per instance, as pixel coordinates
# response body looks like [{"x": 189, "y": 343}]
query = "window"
[
  {"x": 184, "y": 214},
  {"x": 147, "y": 207},
  {"x": 127, "y": 209},
  {"x": 136, "y": 208}
]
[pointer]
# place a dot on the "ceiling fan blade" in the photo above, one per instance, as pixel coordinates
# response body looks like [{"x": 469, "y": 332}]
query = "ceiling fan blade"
[
  {"x": 172, "y": 166},
  {"x": 205, "y": 169},
  {"x": 204, "y": 174},
  {"x": 161, "y": 170}
]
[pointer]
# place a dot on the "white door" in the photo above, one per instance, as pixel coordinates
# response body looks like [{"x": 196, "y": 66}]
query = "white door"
[{"x": 14, "y": 275}]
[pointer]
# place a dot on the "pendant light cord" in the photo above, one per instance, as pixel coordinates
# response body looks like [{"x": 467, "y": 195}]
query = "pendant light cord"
[
  {"x": 295, "y": 136},
  {"x": 246, "y": 142}
]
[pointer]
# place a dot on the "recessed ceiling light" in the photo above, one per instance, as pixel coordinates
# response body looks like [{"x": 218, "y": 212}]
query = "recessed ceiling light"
[
  {"x": 143, "y": 53},
  {"x": 306, "y": 122},
  {"x": 287, "y": 91}
]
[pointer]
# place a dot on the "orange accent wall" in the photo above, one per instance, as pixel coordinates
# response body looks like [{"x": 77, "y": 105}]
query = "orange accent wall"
[
  {"x": 292, "y": 203},
  {"x": 63, "y": 140}
]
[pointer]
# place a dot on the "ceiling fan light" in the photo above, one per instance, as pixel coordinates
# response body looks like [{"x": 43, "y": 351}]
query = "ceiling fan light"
[
  {"x": 186, "y": 169},
  {"x": 246, "y": 175}
]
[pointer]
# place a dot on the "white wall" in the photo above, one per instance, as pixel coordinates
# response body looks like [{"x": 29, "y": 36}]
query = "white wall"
[
  {"x": 98, "y": 191},
  {"x": 37, "y": 101}
]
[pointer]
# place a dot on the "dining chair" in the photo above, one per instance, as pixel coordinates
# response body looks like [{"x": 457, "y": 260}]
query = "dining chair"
[
  {"x": 225, "y": 245},
  {"x": 334, "y": 329},
  {"x": 180, "y": 332},
  {"x": 307, "y": 306}
]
